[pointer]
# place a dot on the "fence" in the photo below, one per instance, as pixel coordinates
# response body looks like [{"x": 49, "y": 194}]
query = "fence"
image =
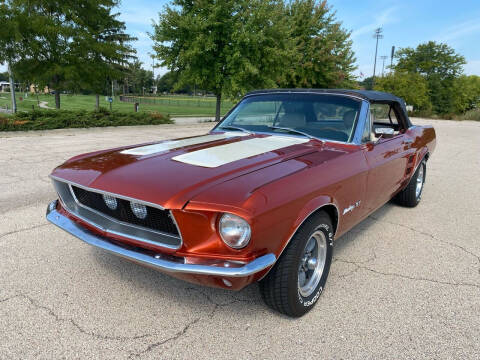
[{"x": 190, "y": 102}]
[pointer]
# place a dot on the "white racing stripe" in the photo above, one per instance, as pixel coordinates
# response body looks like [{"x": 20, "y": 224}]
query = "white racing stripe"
[
  {"x": 175, "y": 144},
  {"x": 223, "y": 154}
]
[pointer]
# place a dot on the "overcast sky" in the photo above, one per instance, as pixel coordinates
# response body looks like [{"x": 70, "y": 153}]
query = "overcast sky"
[{"x": 405, "y": 23}]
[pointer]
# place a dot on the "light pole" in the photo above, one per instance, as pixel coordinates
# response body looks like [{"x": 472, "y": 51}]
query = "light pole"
[
  {"x": 153, "y": 73},
  {"x": 12, "y": 89},
  {"x": 391, "y": 57},
  {"x": 384, "y": 57},
  {"x": 377, "y": 34}
]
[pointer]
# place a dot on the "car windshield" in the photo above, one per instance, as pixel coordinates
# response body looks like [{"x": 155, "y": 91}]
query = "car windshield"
[{"x": 329, "y": 117}]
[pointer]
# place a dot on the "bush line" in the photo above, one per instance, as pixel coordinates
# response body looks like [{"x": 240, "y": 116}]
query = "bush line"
[{"x": 61, "y": 119}]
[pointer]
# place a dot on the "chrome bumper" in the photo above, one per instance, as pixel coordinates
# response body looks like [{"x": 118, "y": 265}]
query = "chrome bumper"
[{"x": 91, "y": 238}]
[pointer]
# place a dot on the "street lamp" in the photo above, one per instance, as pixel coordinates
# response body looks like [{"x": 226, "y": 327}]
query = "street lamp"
[{"x": 377, "y": 34}]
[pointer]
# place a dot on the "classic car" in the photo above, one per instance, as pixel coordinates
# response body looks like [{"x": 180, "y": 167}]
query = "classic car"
[{"x": 261, "y": 197}]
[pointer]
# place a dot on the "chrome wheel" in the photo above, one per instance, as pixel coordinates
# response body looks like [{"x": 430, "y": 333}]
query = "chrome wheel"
[
  {"x": 420, "y": 178},
  {"x": 312, "y": 263}
]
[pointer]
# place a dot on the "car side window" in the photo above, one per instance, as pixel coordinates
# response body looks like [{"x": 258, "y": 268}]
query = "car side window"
[{"x": 383, "y": 115}]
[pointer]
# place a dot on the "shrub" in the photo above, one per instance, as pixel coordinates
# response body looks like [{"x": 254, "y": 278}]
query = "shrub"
[
  {"x": 470, "y": 115},
  {"x": 59, "y": 119}
]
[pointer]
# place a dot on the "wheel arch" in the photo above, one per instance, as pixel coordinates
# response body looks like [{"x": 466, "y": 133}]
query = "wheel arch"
[{"x": 315, "y": 206}]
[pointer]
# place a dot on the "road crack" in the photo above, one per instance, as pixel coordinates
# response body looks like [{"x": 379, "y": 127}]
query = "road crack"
[
  {"x": 58, "y": 318},
  {"x": 465, "y": 250},
  {"x": 360, "y": 266},
  {"x": 21, "y": 230},
  {"x": 184, "y": 330}
]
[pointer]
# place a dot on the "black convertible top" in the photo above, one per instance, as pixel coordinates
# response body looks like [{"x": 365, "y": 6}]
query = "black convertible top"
[{"x": 371, "y": 96}]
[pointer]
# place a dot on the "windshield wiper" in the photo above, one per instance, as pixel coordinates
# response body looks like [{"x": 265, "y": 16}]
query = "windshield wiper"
[
  {"x": 236, "y": 128},
  {"x": 293, "y": 131}
]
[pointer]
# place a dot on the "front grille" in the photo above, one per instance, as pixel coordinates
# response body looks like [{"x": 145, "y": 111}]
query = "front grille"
[{"x": 156, "y": 219}]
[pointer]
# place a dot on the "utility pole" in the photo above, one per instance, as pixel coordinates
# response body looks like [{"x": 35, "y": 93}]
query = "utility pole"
[
  {"x": 153, "y": 73},
  {"x": 391, "y": 57},
  {"x": 384, "y": 57},
  {"x": 12, "y": 89},
  {"x": 377, "y": 34}
]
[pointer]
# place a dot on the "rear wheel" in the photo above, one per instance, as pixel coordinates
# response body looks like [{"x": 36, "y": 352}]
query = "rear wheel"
[
  {"x": 296, "y": 281},
  {"x": 412, "y": 194}
]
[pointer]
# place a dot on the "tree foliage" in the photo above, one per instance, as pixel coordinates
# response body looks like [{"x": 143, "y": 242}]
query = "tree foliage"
[
  {"x": 226, "y": 47},
  {"x": 411, "y": 87},
  {"x": 137, "y": 80},
  {"x": 439, "y": 65},
  {"x": 467, "y": 93},
  {"x": 67, "y": 44},
  {"x": 322, "y": 55}
]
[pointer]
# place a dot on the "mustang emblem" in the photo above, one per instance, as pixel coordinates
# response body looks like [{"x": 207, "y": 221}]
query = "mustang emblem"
[{"x": 351, "y": 207}]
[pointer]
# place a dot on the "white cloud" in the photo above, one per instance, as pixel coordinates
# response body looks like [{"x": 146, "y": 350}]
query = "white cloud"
[
  {"x": 463, "y": 29},
  {"x": 387, "y": 16}
]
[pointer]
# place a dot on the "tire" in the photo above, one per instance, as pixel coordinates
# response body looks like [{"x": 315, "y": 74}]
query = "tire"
[
  {"x": 410, "y": 196},
  {"x": 291, "y": 286}
]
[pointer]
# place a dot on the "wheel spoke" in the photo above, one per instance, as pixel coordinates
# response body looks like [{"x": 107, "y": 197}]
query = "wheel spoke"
[
  {"x": 310, "y": 245},
  {"x": 302, "y": 278}
]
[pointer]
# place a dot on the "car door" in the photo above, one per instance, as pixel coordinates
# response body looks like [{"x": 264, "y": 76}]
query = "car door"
[{"x": 386, "y": 157}]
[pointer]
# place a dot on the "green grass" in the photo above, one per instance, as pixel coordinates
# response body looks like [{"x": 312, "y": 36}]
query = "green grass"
[{"x": 170, "y": 105}]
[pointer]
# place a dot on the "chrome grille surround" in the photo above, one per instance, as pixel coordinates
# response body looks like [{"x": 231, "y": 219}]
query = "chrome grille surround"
[{"x": 113, "y": 226}]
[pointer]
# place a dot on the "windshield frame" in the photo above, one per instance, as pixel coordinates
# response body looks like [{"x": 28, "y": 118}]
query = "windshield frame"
[{"x": 358, "y": 124}]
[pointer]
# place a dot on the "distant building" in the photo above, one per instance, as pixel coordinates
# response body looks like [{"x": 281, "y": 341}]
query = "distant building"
[{"x": 5, "y": 86}]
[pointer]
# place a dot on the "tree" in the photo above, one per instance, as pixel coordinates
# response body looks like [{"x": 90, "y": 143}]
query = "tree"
[
  {"x": 467, "y": 90},
  {"x": 4, "y": 76},
  {"x": 137, "y": 78},
  {"x": 367, "y": 83},
  {"x": 166, "y": 82},
  {"x": 227, "y": 47},
  {"x": 439, "y": 64},
  {"x": 411, "y": 87},
  {"x": 322, "y": 55},
  {"x": 9, "y": 45},
  {"x": 108, "y": 48},
  {"x": 65, "y": 45}
]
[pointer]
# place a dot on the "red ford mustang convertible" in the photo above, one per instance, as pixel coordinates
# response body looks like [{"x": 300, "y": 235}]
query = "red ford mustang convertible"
[{"x": 261, "y": 197}]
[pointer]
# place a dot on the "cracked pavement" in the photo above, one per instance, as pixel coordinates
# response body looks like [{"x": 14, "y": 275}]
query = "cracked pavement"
[{"x": 404, "y": 283}]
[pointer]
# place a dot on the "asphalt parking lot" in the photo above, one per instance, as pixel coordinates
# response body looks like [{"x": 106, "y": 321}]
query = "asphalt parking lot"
[{"x": 404, "y": 284}]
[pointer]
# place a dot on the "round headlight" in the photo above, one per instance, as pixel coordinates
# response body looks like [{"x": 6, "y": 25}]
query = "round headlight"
[
  {"x": 235, "y": 231},
  {"x": 139, "y": 210},
  {"x": 110, "y": 201}
]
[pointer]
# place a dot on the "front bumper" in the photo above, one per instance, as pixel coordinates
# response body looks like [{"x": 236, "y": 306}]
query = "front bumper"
[{"x": 167, "y": 266}]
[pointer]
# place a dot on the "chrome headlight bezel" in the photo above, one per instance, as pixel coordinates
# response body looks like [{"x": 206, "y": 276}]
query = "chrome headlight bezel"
[{"x": 234, "y": 231}]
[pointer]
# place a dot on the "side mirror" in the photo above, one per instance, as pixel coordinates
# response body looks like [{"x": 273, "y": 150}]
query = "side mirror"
[{"x": 384, "y": 132}]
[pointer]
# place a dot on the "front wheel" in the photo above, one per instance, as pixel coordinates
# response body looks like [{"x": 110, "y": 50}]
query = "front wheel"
[
  {"x": 412, "y": 194},
  {"x": 298, "y": 278}
]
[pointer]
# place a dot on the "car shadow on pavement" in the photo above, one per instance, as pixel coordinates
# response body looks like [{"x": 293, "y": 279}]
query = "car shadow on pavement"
[{"x": 159, "y": 287}]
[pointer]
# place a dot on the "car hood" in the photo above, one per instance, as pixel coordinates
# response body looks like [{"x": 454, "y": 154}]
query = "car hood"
[{"x": 170, "y": 173}]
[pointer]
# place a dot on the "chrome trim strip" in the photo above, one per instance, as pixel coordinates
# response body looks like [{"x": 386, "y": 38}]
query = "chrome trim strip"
[
  {"x": 298, "y": 227},
  {"x": 90, "y": 238},
  {"x": 107, "y": 193}
]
